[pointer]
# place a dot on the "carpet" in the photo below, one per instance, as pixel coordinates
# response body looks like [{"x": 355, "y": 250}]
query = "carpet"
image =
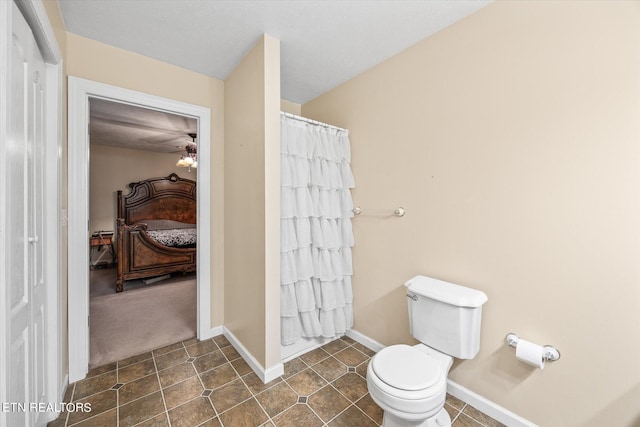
[
  {"x": 136, "y": 321},
  {"x": 102, "y": 281}
]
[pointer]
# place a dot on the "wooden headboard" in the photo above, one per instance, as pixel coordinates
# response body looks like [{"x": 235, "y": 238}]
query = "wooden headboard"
[{"x": 171, "y": 198}]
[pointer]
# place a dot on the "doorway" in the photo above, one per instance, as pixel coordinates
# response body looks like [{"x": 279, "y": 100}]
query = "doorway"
[
  {"x": 81, "y": 92},
  {"x": 130, "y": 144}
]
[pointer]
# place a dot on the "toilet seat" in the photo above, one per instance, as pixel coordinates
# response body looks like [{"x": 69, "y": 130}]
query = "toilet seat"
[
  {"x": 411, "y": 402},
  {"x": 406, "y": 368},
  {"x": 431, "y": 373}
]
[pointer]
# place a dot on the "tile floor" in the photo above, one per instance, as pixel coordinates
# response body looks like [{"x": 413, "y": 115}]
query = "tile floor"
[{"x": 207, "y": 383}]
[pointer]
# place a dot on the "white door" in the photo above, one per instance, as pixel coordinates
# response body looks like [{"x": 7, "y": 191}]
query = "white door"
[{"x": 26, "y": 303}]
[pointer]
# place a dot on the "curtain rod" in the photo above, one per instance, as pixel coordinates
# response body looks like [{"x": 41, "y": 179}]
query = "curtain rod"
[{"x": 313, "y": 122}]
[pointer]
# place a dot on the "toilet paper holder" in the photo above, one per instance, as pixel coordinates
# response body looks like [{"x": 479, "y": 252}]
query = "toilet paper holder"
[{"x": 550, "y": 354}]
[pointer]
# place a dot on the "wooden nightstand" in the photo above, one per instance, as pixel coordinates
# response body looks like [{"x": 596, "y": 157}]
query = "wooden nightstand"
[{"x": 101, "y": 242}]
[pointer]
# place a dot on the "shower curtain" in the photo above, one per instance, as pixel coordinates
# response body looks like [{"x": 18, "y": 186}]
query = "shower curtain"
[{"x": 316, "y": 234}]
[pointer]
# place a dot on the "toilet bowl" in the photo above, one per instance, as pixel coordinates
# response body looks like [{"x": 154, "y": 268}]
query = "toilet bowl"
[{"x": 410, "y": 385}]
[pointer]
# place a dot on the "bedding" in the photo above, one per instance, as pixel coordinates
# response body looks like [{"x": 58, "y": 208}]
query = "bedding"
[
  {"x": 174, "y": 234},
  {"x": 174, "y": 237}
]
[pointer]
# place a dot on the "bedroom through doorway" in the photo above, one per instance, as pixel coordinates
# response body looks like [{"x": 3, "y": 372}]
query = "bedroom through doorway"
[{"x": 130, "y": 144}]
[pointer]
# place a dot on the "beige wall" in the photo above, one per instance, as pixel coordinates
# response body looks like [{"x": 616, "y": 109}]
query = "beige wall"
[
  {"x": 512, "y": 140},
  {"x": 290, "y": 107},
  {"x": 99, "y": 62},
  {"x": 251, "y": 124},
  {"x": 112, "y": 169}
]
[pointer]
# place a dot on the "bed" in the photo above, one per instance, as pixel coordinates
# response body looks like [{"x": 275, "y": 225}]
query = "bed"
[{"x": 156, "y": 229}]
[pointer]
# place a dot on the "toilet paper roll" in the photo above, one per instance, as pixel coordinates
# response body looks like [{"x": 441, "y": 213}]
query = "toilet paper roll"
[{"x": 530, "y": 353}]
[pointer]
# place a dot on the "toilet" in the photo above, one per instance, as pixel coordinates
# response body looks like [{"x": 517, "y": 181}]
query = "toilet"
[{"x": 410, "y": 382}]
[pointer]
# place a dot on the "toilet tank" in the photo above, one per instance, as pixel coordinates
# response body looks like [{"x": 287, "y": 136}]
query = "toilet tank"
[{"x": 445, "y": 316}]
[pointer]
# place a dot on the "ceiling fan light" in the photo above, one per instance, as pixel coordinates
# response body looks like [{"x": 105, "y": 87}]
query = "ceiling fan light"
[{"x": 190, "y": 159}]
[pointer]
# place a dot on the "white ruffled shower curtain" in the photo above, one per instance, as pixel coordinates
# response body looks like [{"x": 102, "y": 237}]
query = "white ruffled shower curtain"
[{"x": 316, "y": 234}]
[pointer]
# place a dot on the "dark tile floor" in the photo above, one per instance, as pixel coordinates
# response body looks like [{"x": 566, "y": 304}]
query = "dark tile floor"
[{"x": 207, "y": 383}]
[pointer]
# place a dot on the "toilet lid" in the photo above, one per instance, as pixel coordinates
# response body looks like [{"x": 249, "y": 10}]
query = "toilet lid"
[{"x": 403, "y": 367}]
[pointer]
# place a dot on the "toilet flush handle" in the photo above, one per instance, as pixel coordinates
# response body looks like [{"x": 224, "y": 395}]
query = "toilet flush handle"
[{"x": 413, "y": 297}]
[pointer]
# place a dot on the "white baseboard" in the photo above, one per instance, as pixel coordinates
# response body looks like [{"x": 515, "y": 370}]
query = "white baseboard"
[
  {"x": 266, "y": 375},
  {"x": 213, "y": 332},
  {"x": 272, "y": 373},
  {"x": 64, "y": 386},
  {"x": 370, "y": 343},
  {"x": 486, "y": 406},
  {"x": 482, "y": 404},
  {"x": 304, "y": 345},
  {"x": 51, "y": 416}
]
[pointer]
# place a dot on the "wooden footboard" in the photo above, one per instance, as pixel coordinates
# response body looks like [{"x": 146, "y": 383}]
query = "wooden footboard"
[{"x": 139, "y": 256}]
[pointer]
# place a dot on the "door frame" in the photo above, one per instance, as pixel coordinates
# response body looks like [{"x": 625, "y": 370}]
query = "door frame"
[
  {"x": 37, "y": 18},
  {"x": 79, "y": 92}
]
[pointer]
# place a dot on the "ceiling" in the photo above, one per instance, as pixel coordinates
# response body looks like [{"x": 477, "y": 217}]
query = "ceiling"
[
  {"x": 323, "y": 42},
  {"x": 136, "y": 128}
]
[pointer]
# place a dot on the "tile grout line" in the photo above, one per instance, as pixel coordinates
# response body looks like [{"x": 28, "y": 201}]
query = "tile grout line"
[
  {"x": 482, "y": 423},
  {"x": 66, "y": 417},
  {"x": 367, "y": 360},
  {"x": 339, "y": 413},
  {"x": 459, "y": 413},
  {"x": 243, "y": 382},
  {"x": 328, "y": 383},
  {"x": 164, "y": 402},
  {"x": 118, "y": 399},
  {"x": 238, "y": 374},
  {"x": 118, "y": 394},
  {"x": 341, "y": 393},
  {"x": 306, "y": 403},
  {"x": 262, "y": 407},
  {"x": 350, "y": 403},
  {"x": 315, "y": 413},
  {"x": 92, "y": 416},
  {"x": 215, "y": 411},
  {"x": 254, "y": 395},
  {"x": 188, "y": 401},
  {"x": 361, "y": 410},
  {"x": 289, "y": 407},
  {"x": 97, "y": 392}
]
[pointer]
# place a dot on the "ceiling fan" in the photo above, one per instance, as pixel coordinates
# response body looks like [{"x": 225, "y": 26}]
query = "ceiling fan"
[{"x": 190, "y": 159}]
